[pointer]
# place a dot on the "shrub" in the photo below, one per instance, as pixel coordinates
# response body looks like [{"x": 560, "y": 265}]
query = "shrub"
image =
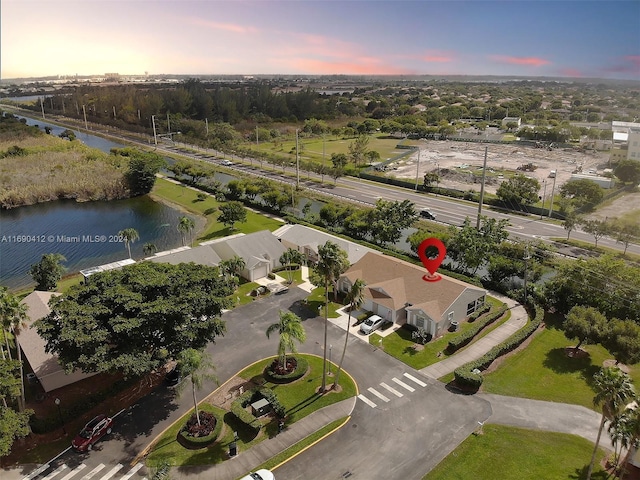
[
  {"x": 465, "y": 338},
  {"x": 239, "y": 406},
  {"x": 465, "y": 376},
  {"x": 420, "y": 336},
  {"x": 481, "y": 311},
  {"x": 301, "y": 368},
  {"x": 189, "y": 433}
]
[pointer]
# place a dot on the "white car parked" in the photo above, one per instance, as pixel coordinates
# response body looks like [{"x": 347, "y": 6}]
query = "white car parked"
[
  {"x": 371, "y": 324},
  {"x": 261, "y": 474}
]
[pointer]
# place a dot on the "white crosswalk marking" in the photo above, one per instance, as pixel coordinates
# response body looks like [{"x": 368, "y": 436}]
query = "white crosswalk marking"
[
  {"x": 378, "y": 394},
  {"x": 403, "y": 385},
  {"x": 132, "y": 472},
  {"x": 419, "y": 382},
  {"x": 391, "y": 389},
  {"x": 94, "y": 471},
  {"x": 112, "y": 472},
  {"x": 367, "y": 401},
  {"x": 73, "y": 472},
  {"x": 55, "y": 472},
  {"x": 36, "y": 472}
]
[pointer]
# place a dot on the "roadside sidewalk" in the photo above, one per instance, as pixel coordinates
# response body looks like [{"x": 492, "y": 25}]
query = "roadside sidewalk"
[
  {"x": 477, "y": 349},
  {"x": 249, "y": 460}
]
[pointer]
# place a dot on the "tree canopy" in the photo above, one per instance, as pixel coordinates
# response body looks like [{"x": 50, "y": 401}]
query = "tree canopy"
[
  {"x": 48, "y": 271},
  {"x": 519, "y": 190},
  {"x": 132, "y": 319}
]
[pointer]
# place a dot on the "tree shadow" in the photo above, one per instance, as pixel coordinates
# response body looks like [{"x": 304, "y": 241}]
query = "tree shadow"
[
  {"x": 581, "y": 474},
  {"x": 303, "y": 310},
  {"x": 558, "y": 361},
  {"x": 410, "y": 350}
]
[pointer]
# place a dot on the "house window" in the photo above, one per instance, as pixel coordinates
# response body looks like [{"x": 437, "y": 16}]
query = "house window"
[
  {"x": 471, "y": 308},
  {"x": 420, "y": 322}
]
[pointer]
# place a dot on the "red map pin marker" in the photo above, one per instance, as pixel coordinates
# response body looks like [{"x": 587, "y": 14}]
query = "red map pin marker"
[{"x": 432, "y": 264}]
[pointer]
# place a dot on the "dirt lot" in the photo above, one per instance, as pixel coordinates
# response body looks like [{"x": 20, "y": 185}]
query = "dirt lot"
[{"x": 455, "y": 161}]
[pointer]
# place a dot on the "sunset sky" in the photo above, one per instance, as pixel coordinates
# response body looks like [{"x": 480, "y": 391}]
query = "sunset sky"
[{"x": 532, "y": 38}]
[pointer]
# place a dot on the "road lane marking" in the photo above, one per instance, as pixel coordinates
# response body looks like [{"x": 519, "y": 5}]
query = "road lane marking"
[
  {"x": 73, "y": 472},
  {"x": 419, "y": 382},
  {"x": 36, "y": 472},
  {"x": 378, "y": 394},
  {"x": 94, "y": 471},
  {"x": 367, "y": 401},
  {"x": 403, "y": 385},
  {"x": 55, "y": 472},
  {"x": 132, "y": 472},
  {"x": 112, "y": 472},
  {"x": 391, "y": 389}
]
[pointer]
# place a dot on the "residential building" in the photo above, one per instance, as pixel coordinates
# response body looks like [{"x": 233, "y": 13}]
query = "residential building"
[{"x": 626, "y": 141}]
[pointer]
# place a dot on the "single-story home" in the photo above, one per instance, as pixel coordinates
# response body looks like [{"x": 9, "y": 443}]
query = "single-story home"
[
  {"x": 396, "y": 291},
  {"x": 45, "y": 365},
  {"x": 508, "y": 120},
  {"x": 307, "y": 240},
  {"x": 203, "y": 255}
]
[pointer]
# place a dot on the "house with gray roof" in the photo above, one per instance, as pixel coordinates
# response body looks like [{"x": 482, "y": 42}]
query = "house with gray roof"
[
  {"x": 46, "y": 366},
  {"x": 203, "y": 255},
  {"x": 396, "y": 291}
]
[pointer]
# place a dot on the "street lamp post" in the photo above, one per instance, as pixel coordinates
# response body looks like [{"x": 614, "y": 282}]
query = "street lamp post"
[
  {"x": 329, "y": 364},
  {"x": 57, "y": 402}
]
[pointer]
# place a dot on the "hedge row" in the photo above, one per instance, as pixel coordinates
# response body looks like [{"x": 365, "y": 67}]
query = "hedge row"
[
  {"x": 465, "y": 337},
  {"x": 301, "y": 368},
  {"x": 465, "y": 376},
  {"x": 481, "y": 311},
  {"x": 238, "y": 407},
  {"x": 201, "y": 442}
]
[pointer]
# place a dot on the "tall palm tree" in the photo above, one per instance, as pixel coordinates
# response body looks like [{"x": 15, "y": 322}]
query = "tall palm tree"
[
  {"x": 613, "y": 390},
  {"x": 288, "y": 258},
  {"x": 627, "y": 432},
  {"x": 290, "y": 329},
  {"x": 13, "y": 317},
  {"x": 332, "y": 262},
  {"x": 197, "y": 366},
  {"x": 129, "y": 235},
  {"x": 186, "y": 224},
  {"x": 355, "y": 297}
]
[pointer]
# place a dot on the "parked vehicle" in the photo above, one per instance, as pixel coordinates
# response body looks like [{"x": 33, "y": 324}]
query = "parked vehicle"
[
  {"x": 92, "y": 432},
  {"x": 262, "y": 474},
  {"x": 428, "y": 215},
  {"x": 371, "y": 324},
  {"x": 173, "y": 377}
]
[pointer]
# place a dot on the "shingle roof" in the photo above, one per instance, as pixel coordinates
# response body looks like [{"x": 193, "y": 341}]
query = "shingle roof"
[{"x": 203, "y": 255}]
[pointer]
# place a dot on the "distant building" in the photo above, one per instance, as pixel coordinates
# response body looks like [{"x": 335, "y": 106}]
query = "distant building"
[
  {"x": 508, "y": 120},
  {"x": 626, "y": 141},
  {"x": 604, "y": 182}
]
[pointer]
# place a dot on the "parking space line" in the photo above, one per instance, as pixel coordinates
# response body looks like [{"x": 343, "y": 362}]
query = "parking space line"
[
  {"x": 94, "y": 471},
  {"x": 55, "y": 472},
  {"x": 73, "y": 472},
  {"x": 411, "y": 377},
  {"x": 391, "y": 389},
  {"x": 132, "y": 472},
  {"x": 367, "y": 401},
  {"x": 378, "y": 394},
  {"x": 403, "y": 385},
  {"x": 112, "y": 472}
]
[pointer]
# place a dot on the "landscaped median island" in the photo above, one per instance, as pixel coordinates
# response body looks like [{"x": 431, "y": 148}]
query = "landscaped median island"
[
  {"x": 408, "y": 348},
  {"x": 238, "y": 405}
]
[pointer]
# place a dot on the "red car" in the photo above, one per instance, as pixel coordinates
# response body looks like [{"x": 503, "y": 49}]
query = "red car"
[{"x": 92, "y": 432}]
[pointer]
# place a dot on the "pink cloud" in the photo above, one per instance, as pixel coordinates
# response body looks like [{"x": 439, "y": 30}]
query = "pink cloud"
[
  {"x": 627, "y": 64},
  {"x": 437, "y": 57},
  {"x": 360, "y": 66},
  {"x": 529, "y": 61},
  {"x": 227, "y": 27},
  {"x": 571, "y": 72}
]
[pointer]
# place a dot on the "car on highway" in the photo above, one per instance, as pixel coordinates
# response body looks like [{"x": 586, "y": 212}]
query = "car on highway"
[
  {"x": 262, "y": 474},
  {"x": 428, "y": 215},
  {"x": 93, "y": 431},
  {"x": 226, "y": 163},
  {"x": 371, "y": 324}
]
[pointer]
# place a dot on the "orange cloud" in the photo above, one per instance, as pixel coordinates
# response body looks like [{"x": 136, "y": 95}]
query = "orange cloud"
[
  {"x": 362, "y": 66},
  {"x": 437, "y": 57},
  {"x": 227, "y": 27},
  {"x": 529, "y": 61}
]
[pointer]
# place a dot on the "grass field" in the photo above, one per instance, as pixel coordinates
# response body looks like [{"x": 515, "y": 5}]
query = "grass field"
[
  {"x": 543, "y": 371},
  {"x": 518, "y": 454}
]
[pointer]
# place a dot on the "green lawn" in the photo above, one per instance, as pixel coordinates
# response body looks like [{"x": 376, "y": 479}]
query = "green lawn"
[
  {"x": 400, "y": 345},
  {"x": 542, "y": 371},
  {"x": 187, "y": 199},
  {"x": 518, "y": 454},
  {"x": 315, "y": 302},
  {"x": 299, "y": 398}
]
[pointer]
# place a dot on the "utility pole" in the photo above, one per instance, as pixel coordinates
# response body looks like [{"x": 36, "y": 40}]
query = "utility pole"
[
  {"x": 484, "y": 176},
  {"x": 42, "y": 106},
  {"x": 84, "y": 113},
  {"x": 417, "y": 170},
  {"x": 526, "y": 264},
  {"x": 297, "y": 163},
  {"x": 544, "y": 196},
  {"x": 553, "y": 189},
  {"x": 206, "y": 125},
  {"x": 63, "y": 110},
  {"x": 257, "y": 136},
  {"x": 155, "y": 137},
  {"x": 114, "y": 112}
]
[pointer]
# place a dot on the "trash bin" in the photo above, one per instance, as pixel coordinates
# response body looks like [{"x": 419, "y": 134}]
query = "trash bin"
[{"x": 233, "y": 449}]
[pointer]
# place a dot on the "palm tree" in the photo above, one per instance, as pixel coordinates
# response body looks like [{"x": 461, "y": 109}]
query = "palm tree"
[
  {"x": 129, "y": 235},
  {"x": 627, "y": 431},
  {"x": 332, "y": 262},
  {"x": 197, "y": 366},
  {"x": 355, "y": 297},
  {"x": 13, "y": 316},
  {"x": 233, "y": 266},
  {"x": 613, "y": 389},
  {"x": 290, "y": 329},
  {"x": 149, "y": 248},
  {"x": 288, "y": 258},
  {"x": 185, "y": 225}
]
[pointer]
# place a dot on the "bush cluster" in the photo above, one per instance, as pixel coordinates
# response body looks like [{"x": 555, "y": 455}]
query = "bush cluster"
[
  {"x": 465, "y": 337},
  {"x": 301, "y": 368},
  {"x": 481, "y": 311},
  {"x": 465, "y": 376},
  {"x": 239, "y": 406},
  {"x": 207, "y": 416}
]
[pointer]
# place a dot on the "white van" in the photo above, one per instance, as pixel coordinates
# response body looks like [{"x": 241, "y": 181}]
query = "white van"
[{"x": 552, "y": 174}]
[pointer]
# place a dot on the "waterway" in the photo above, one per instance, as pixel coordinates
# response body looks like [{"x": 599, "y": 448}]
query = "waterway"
[{"x": 86, "y": 234}]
